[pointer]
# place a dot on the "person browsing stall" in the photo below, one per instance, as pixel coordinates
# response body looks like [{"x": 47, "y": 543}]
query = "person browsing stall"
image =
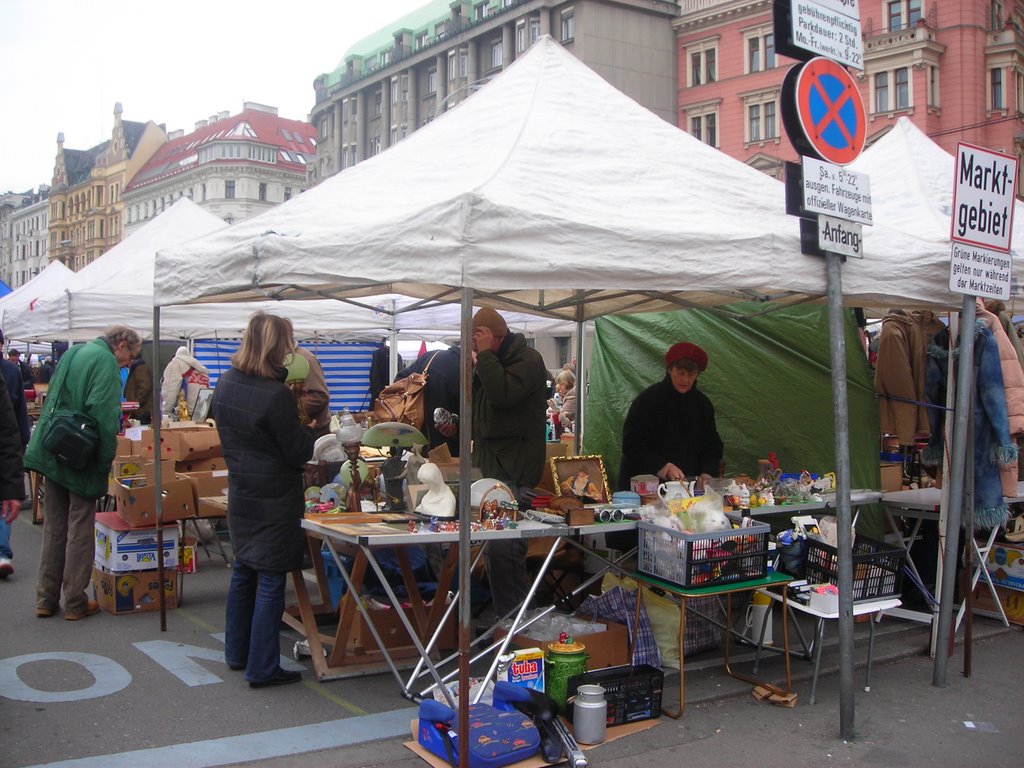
[
  {"x": 509, "y": 416},
  {"x": 265, "y": 448},
  {"x": 670, "y": 429}
]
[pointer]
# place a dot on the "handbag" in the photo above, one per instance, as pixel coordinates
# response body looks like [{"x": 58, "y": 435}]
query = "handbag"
[
  {"x": 404, "y": 400},
  {"x": 71, "y": 436}
]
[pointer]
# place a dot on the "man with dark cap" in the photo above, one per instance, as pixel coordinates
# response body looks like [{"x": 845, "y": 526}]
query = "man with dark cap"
[
  {"x": 509, "y": 420},
  {"x": 670, "y": 429}
]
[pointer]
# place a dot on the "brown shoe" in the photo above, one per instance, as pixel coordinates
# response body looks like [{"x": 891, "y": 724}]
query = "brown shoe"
[
  {"x": 45, "y": 613},
  {"x": 91, "y": 609}
]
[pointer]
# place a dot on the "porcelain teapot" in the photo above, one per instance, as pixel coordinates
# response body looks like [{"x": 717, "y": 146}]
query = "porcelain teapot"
[{"x": 673, "y": 493}]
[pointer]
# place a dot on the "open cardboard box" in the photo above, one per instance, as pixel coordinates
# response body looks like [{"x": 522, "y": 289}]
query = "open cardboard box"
[
  {"x": 135, "y": 591},
  {"x": 184, "y": 442},
  {"x": 609, "y": 648},
  {"x": 136, "y": 503},
  {"x": 213, "y": 483}
]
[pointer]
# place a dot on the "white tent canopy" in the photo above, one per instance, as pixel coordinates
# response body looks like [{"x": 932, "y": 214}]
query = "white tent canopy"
[
  {"x": 546, "y": 181},
  {"x": 23, "y": 297},
  {"x": 118, "y": 287}
]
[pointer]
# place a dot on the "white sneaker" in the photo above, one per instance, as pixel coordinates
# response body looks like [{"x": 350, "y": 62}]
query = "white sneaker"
[{"x": 6, "y": 567}]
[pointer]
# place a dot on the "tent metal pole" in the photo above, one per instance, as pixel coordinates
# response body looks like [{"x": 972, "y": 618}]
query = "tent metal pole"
[
  {"x": 393, "y": 341},
  {"x": 158, "y": 481},
  {"x": 844, "y": 543},
  {"x": 964, "y": 393},
  {"x": 465, "y": 512},
  {"x": 581, "y": 383}
]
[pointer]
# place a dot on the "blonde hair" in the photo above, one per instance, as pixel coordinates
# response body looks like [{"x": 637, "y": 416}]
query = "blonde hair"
[
  {"x": 267, "y": 341},
  {"x": 566, "y": 378}
]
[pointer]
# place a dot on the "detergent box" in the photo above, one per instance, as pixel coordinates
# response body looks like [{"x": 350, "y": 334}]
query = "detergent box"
[
  {"x": 526, "y": 668},
  {"x": 1005, "y": 565}
]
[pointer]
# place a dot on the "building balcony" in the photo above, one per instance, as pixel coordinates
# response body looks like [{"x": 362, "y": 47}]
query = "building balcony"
[
  {"x": 1010, "y": 38},
  {"x": 896, "y": 40}
]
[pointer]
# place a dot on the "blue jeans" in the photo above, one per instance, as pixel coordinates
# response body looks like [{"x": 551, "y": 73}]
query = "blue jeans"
[
  {"x": 5, "y": 539},
  {"x": 251, "y": 630}
]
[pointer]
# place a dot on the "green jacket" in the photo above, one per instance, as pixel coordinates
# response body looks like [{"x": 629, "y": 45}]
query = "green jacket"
[
  {"x": 92, "y": 387},
  {"x": 509, "y": 412}
]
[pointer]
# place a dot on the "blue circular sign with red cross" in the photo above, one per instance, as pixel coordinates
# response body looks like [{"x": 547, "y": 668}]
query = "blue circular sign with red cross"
[{"x": 829, "y": 110}]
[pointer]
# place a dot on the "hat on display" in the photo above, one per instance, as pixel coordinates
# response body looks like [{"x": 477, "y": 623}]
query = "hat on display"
[
  {"x": 686, "y": 351},
  {"x": 485, "y": 316}
]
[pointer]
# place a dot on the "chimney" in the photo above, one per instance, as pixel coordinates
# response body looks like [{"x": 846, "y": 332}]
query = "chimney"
[
  {"x": 200, "y": 124},
  {"x": 176, "y": 134}
]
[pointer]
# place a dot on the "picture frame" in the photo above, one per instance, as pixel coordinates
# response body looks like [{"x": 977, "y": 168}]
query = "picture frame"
[
  {"x": 202, "y": 409},
  {"x": 582, "y": 477}
]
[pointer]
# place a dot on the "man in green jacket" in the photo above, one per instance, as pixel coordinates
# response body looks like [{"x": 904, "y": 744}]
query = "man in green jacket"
[
  {"x": 88, "y": 381},
  {"x": 509, "y": 427}
]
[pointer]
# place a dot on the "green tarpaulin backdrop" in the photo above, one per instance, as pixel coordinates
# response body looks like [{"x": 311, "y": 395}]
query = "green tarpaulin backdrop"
[{"x": 769, "y": 378}]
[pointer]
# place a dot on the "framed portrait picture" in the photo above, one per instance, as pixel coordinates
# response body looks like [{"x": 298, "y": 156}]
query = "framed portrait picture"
[
  {"x": 202, "y": 409},
  {"x": 582, "y": 477}
]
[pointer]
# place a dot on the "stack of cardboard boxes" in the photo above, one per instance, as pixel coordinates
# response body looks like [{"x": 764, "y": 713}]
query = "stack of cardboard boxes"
[{"x": 125, "y": 572}]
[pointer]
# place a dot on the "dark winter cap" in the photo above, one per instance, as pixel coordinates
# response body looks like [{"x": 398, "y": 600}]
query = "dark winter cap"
[
  {"x": 488, "y": 317},
  {"x": 686, "y": 351}
]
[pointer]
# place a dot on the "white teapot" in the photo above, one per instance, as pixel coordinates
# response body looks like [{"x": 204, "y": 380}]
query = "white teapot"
[{"x": 673, "y": 493}]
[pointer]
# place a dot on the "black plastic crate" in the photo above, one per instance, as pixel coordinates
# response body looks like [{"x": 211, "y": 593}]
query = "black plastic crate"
[
  {"x": 877, "y": 567},
  {"x": 703, "y": 559}
]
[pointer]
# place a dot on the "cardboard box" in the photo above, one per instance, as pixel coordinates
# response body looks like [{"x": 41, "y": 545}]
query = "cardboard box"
[
  {"x": 213, "y": 483},
  {"x": 1011, "y": 600},
  {"x": 187, "y": 442},
  {"x": 134, "y": 592},
  {"x": 1005, "y": 564},
  {"x": 526, "y": 669},
  {"x": 125, "y": 446},
  {"x": 119, "y": 547},
  {"x": 213, "y": 506},
  {"x": 136, "y": 502},
  {"x": 137, "y": 466},
  {"x": 892, "y": 477},
  {"x": 215, "y": 464},
  {"x": 609, "y": 648}
]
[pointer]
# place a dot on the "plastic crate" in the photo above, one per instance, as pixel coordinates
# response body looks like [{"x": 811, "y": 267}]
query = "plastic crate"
[
  {"x": 877, "y": 567},
  {"x": 703, "y": 559}
]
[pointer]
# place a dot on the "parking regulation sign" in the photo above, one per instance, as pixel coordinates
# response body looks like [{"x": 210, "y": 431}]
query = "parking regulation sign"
[{"x": 823, "y": 111}]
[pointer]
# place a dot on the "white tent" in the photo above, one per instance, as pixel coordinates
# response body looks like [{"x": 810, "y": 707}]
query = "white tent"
[
  {"x": 23, "y": 297},
  {"x": 546, "y": 181},
  {"x": 912, "y": 187},
  {"x": 118, "y": 287}
]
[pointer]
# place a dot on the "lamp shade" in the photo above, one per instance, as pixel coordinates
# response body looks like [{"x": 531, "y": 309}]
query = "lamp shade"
[{"x": 393, "y": 434}]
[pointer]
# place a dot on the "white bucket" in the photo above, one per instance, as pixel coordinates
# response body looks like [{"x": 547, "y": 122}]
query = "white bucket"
[{"x": 756, "y": 611}]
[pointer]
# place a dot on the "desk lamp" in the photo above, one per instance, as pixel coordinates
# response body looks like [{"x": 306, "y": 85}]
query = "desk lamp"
[
  {"x": 349, "y": 437},
  {"x": 397, "y": 437}
]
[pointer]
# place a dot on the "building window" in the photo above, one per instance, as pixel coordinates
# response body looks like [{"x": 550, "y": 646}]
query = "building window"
[
  {"x": 568, "y": 25},
  {"x": 229, "y": 190},
  {"x": 996, "y": 15},
  {"x": 394, "y": 136},
  {"x": 520, "y": 37},
  {"x": 355, "y": 106},
  {"x": 463, "y": 62},
  {"x": 902, "y": 13},
  {"x": 385, "y": 58},
  {"x": 933, "y": 86},
  {"x": 703, "y": 63},
  {"x": 534, "y": 29},
  {"x": 761, "y": 120},
  {"x": 394, "y": 90},
  {"x": 704, "y": 127},
  {"x": 479, "y": 12},
  {"x": 760, "y": 50},
  {"x": 496, "y": 54},
  {"x": 405, "y": 88},
  {"x": 451, "y": 66},
  {"x": 754, "y": 122},
  {"x": 882, "y": 92},
  {"x": 902, "y": 82},
  {"x": 263, "y": 191},
  {"x": 431, "y": 81},
  {"x": 287, "y": 194},
  {"x": 996, "y": 88},
  {"x": 377, "y": 99},
  {"x": 421, "y": 40}
]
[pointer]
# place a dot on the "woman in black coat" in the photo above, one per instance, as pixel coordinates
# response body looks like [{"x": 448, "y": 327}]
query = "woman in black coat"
[{"x": 265, "y": 448}]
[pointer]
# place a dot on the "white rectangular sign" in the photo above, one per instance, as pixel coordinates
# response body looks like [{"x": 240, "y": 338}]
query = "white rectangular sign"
[
  {"x": 840, "y": 236},
  {"x": 984, "y": 190},
  {"x": 828, "y": 29},
  {"x": 979, "y": 272},
  {"x": 836, "y": 191}
]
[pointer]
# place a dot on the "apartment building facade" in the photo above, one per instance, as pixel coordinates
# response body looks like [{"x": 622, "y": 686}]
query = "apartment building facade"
[
  {"x": 403, "y": 76},
  {"x": 86, "y": 205},
  {"x": 954, "y": 67},
  {"x": 234, "y": 166},
  {"x": 24, "y": 222}
]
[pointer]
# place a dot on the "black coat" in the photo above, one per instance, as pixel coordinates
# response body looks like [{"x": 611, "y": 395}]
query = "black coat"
[
  {"x": 442, "y": 391},
  {"x": 265, "y": 448},
  {"x": 665, "y": 426}
]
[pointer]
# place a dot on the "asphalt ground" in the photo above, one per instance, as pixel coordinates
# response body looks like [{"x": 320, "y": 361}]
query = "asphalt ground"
[{"x": 117, "y": 691}]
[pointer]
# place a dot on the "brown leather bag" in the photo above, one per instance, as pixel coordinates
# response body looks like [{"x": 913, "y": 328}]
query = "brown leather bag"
[{"x": 404, "y": 400}]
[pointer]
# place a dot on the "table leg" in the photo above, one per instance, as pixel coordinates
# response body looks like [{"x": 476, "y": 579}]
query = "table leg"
[
  {"x": 750, "y": 678},
  {"x": 819, "y": 638},
  {"x": 871, "y": 651}
]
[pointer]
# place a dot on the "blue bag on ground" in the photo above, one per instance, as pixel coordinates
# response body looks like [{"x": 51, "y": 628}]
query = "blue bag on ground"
[{"x": 496, "y": 738}]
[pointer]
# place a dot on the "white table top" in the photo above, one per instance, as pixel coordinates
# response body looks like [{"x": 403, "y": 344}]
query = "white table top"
[
  {"x": 857, "y": 498},
  {"x": 929, "y": 499},
  {"x": 401, "y": 537}
]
